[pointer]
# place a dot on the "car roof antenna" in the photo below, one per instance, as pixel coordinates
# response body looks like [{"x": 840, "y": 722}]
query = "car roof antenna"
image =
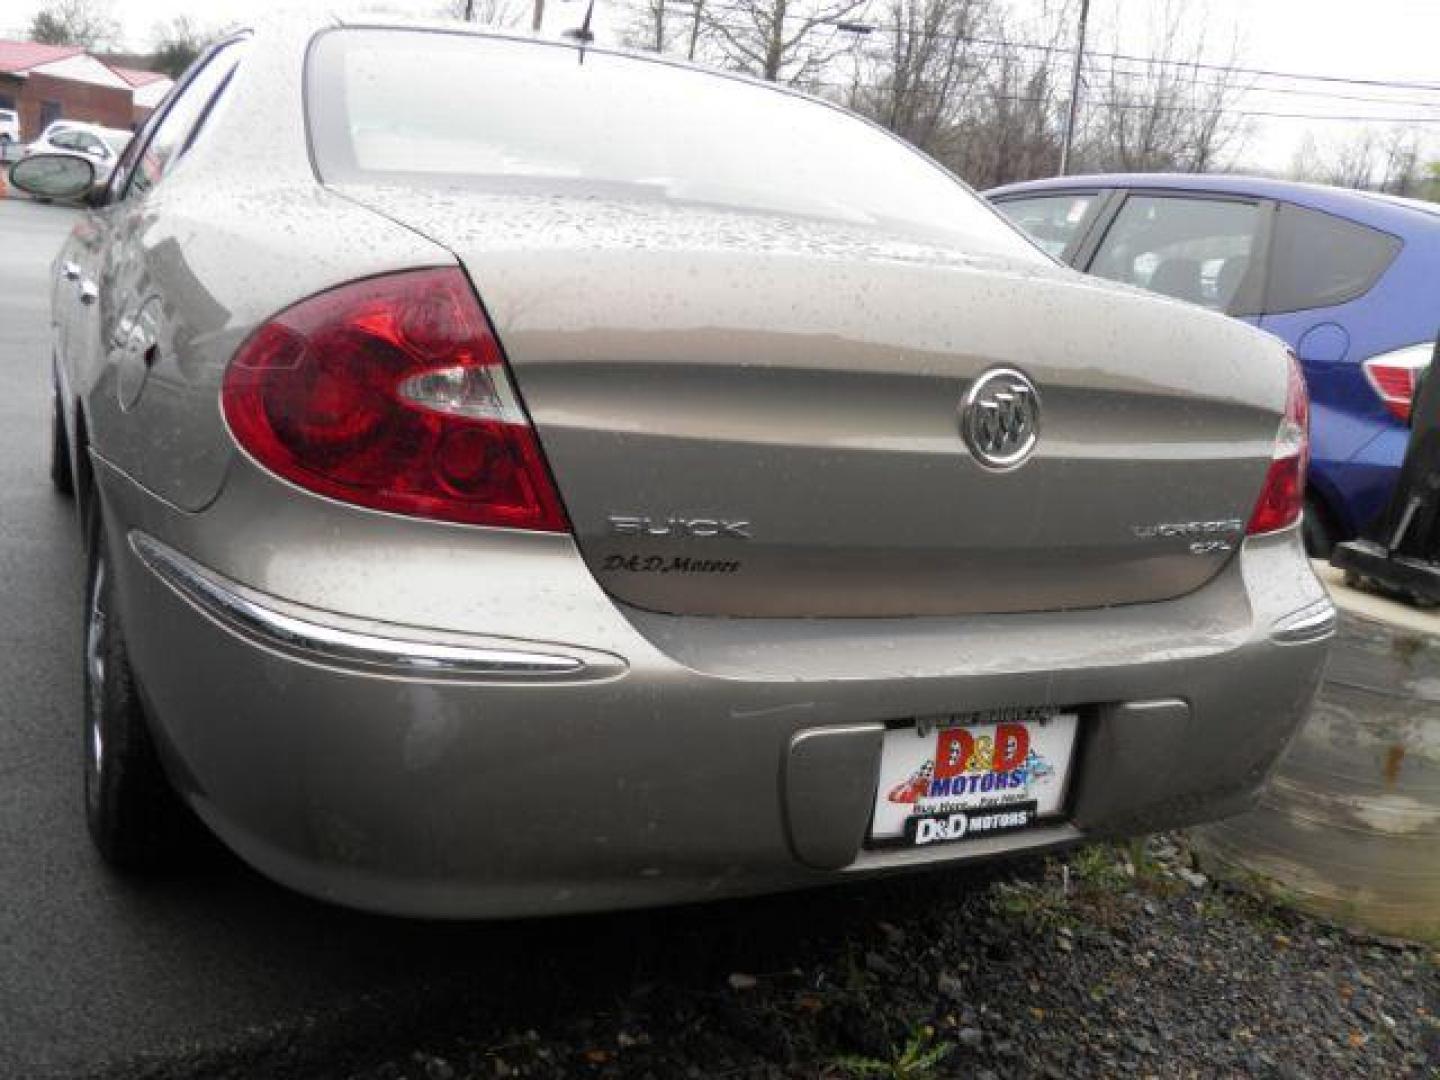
[{"x": 582, "y": 33}]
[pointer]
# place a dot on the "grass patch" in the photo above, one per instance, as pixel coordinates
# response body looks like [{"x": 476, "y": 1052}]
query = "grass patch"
[
  {"x": 1040, "y": 905},
  {"x": 1097, "y": 870},
  {"x": 918, "y": 1059}
]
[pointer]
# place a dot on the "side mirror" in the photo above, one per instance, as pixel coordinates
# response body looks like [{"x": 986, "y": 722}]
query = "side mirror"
[{"x": 54, "y": 176}]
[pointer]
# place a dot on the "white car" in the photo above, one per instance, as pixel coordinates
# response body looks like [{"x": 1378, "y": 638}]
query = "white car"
[
  {"x": 100, "y": 146},
  {"x": 9, "y": 130}
]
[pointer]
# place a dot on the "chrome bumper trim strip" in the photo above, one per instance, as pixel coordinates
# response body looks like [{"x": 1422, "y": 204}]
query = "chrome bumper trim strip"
[
  {"x": 243, "y": 610},
  {"x": 1313, "y": 623}
]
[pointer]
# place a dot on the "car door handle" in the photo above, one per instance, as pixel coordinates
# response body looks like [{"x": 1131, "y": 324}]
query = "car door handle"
[
  {"x": 70, "y": 271},
  {"x": 89, "y": 292}
]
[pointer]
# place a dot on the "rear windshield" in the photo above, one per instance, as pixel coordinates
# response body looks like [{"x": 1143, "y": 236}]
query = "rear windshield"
[{"x": 424, "y": 107}]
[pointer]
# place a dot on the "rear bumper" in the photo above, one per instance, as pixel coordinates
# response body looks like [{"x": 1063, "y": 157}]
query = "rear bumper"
[{"x": 687, "y": 758}]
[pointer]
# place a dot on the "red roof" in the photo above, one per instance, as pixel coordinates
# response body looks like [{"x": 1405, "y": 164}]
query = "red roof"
[
  {"x": 16, "y": 56},
  {"x": 139, "y": 78}
]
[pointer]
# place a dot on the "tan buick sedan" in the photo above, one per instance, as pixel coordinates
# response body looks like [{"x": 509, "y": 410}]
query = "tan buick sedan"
[{"x": 522, "y": 479}]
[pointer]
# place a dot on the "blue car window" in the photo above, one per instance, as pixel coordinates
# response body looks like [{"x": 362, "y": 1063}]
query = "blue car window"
[
  {"x": 1052, "y": 221},
  {"x": 1198, "y": 250},
  {"x": 1320, "y": 260}
]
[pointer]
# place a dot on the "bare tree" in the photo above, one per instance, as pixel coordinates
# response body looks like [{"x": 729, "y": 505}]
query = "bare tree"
[
  {"x": 1014, "y": 131},
  {"x": 1011, "y": 125},
  {"x": 1353, "y": 161},
  {"x": 1305, "y": 162},
  {"x": 1368, "y": 159},
  {"x": 789, "y": 41},
  {"x": 1400, "y": 167},
  {"x": 652, "y": 28},
  {"x": 1430, "y": 182},
  {"x": 86, "y": 23},
  {"x": 697, "y": 25},
  {"x": 177, "y": 43},
  {"x": 1169, "y": 110},
  {"x": 972, "y": 82},
  {"x": 928, "y": 64},
  {"x": 501, "y": 13}
]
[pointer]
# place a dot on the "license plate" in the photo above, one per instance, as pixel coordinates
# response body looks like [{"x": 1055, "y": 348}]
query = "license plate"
[{"x": 966, "y": 778}]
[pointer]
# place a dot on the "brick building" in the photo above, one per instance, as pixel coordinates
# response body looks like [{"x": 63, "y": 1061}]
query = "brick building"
[
  {"x": 149, "y": 89},
  {"x": 45, "y": 83}
]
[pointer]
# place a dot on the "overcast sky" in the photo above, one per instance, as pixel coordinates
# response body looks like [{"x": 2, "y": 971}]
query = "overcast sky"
[{"x": 1391, "y": 40}]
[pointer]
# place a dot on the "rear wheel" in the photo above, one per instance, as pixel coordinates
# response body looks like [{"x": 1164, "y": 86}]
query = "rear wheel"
[
  {"x": 134, "y": 817},
  {"x": 61, "y": 475}
]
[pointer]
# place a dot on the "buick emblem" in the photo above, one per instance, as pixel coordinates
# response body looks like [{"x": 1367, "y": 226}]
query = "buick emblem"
[{"x": 1000, "y": 418}]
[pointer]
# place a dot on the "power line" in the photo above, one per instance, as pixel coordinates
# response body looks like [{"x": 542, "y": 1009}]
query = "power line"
[
  {"x": 1253, "y": 88},
  {"x": 849, "y": 25},
  {"x": 1145, "y": 106},
  {"x": 1270, "y": 73},
  {"x": 1099, "y": 74},
  {"x": 1278, "y": 115},
  {"x": 1162, "y": 61},
  {"x": 996, "y": 49}
]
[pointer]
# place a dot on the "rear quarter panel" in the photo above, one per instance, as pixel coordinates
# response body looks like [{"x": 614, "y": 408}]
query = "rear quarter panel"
[
  {"x": 238, "y": 230},
  {"x": 206, "y": 264}
]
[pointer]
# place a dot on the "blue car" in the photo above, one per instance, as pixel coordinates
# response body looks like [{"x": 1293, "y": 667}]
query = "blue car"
[{"x": 1351, "y": 280}]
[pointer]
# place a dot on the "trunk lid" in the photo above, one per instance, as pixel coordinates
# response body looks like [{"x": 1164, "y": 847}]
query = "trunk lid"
[{"x": 752, "y": 416}]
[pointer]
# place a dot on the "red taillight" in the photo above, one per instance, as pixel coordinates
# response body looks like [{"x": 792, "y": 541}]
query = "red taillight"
[
  {"x": 1283, "y": 498},
  {"x": 392, "y": 393},
  {"x": 1394, "y": 376}
]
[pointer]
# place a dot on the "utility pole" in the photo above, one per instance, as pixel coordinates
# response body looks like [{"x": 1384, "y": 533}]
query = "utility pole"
[
  {"x": 1074, "y": 109},
  {"x": 539, "y": 16}
]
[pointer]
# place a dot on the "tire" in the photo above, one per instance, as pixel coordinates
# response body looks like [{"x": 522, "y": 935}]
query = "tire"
[
  {"x": 135, "y": 819},
  {"x": 61, "y": 475},
  {"x": 1316, "y": 530}
]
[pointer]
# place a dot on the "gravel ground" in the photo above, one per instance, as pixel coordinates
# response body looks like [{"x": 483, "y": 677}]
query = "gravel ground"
[{"x": 1114, "y": 959}]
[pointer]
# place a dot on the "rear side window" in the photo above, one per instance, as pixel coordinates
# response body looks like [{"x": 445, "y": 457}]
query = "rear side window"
[
  {"x": 1052, "y": 221},
  {"x": 526, "y": 117},
  {"x": 1193, "y": 249},
  {"x": 1320, "y": 260},
  {"x": 176, "y": 129}
]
